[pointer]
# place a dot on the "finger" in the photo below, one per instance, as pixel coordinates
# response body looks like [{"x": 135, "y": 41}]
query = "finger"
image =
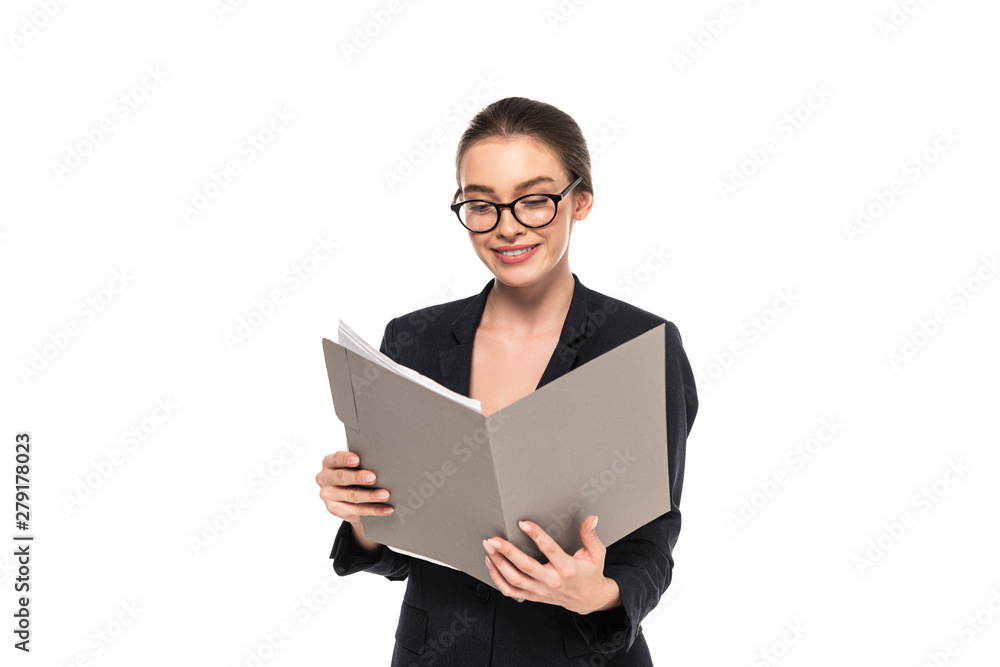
[
  {"x": 358, "y": 495},
  {"x": 343, "y": 509},
  {"x": 588, "y": 535},
  {"x": 346, "y": 477},
  {"x": 341, "y": 459},
  {"x": 503, "y": 585},
  {"x": 521, "y": 570},
  {"x": 560, "y": 560},
  {"x": 353, "y": 494}
]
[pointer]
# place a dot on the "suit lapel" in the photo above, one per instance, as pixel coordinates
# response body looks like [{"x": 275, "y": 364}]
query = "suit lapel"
[{"x": 456, "y": 360}]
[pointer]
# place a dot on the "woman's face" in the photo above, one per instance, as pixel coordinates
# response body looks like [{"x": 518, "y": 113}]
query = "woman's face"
[{"x": 501, "y": 170}]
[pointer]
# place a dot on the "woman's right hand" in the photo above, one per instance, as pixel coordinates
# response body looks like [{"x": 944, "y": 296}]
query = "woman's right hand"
[{"x": 347, "y": 491}]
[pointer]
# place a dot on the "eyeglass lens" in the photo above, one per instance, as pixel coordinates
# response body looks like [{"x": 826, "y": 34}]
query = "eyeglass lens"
[{"x": 531, "y": 211}]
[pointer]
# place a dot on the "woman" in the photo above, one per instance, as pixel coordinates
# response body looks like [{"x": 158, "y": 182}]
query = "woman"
[{"x": 523, "y": 172}]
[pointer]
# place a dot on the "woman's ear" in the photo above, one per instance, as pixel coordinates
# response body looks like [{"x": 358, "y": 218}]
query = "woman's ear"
[{"x": 584, "y": 202}]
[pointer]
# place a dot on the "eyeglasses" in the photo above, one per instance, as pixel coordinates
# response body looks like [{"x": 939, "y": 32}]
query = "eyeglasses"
[{"x": 534, "y": 210}]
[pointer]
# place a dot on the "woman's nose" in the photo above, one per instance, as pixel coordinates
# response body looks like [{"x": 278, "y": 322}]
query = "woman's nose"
[{"x": 508, "y": 225}]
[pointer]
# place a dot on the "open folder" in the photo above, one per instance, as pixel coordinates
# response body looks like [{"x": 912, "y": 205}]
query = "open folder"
[{"x": 592, "y": 441}]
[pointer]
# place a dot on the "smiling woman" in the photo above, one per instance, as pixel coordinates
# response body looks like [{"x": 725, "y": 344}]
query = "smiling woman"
[{"x": 523, "y": 172}]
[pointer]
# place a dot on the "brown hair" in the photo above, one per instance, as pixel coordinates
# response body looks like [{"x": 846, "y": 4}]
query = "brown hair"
[{"x": 519, "y": 116}]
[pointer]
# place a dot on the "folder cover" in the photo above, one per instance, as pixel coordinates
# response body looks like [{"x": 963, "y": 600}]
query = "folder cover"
[{"x": 592, "y": 441}]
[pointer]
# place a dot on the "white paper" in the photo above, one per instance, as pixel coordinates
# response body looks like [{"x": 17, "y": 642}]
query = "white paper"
[{"x": 352, "y": 341}]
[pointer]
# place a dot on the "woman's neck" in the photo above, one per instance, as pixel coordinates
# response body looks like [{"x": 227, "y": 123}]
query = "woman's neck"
[{"x": 531, "y": 309}]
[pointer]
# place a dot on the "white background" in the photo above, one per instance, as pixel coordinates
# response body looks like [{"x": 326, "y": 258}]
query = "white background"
[{"x": 665, "y": 133}]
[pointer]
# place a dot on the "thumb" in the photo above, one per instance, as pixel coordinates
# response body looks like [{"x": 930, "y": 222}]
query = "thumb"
[{"x": 588, "y": 535}]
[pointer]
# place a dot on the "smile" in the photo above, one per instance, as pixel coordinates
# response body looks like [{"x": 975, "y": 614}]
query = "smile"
[
  {"x": 516, "y": 256},
  {"x": 515, "y": 253}
]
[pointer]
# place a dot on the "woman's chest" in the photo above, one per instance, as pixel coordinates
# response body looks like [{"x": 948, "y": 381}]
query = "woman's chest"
[{"x": 504, "y": 370}]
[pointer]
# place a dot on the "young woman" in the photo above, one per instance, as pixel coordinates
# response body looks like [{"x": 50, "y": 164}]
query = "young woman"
[{"x": 523, "y": 172}]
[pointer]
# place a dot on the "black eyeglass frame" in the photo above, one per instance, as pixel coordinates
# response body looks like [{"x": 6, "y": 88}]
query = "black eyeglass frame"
[{"x": 555, "y": 199}]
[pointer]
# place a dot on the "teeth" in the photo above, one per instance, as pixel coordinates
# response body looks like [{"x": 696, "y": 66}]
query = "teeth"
[{"x": 515, "y": 253}]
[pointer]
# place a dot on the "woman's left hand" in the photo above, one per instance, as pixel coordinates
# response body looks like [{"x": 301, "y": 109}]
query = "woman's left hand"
[{"x": 575, "y": 582}]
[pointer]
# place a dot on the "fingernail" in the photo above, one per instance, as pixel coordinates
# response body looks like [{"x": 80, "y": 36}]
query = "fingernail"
[
  {"x": 387, "y": 510},
  {"x": 595, "y": 522},
  {"x": 352, "y": 460},
  {"x": 370, "y": 477},
  {"x": 382, "y": 495},
  {"x": 488, "y": 547},
  {"x": 489, "y": 563},
  {"x": 495, "y": 543},
  {"x": 524, "y": 526}
]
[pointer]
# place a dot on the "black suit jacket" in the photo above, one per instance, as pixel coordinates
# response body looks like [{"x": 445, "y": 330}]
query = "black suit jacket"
[{"x": 448, "y": 617}]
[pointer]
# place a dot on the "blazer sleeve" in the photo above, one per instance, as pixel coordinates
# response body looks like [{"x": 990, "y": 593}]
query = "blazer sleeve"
[
  {"x": 348, "y": 556},
  {"x": 642, "y": 563}
]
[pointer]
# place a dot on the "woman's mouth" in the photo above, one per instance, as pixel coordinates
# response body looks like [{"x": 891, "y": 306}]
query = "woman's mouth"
[{"x": 515, "y": 256}]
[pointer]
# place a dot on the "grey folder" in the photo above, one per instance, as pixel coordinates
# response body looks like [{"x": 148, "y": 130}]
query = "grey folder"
[{"x": 592, "y": 441}]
